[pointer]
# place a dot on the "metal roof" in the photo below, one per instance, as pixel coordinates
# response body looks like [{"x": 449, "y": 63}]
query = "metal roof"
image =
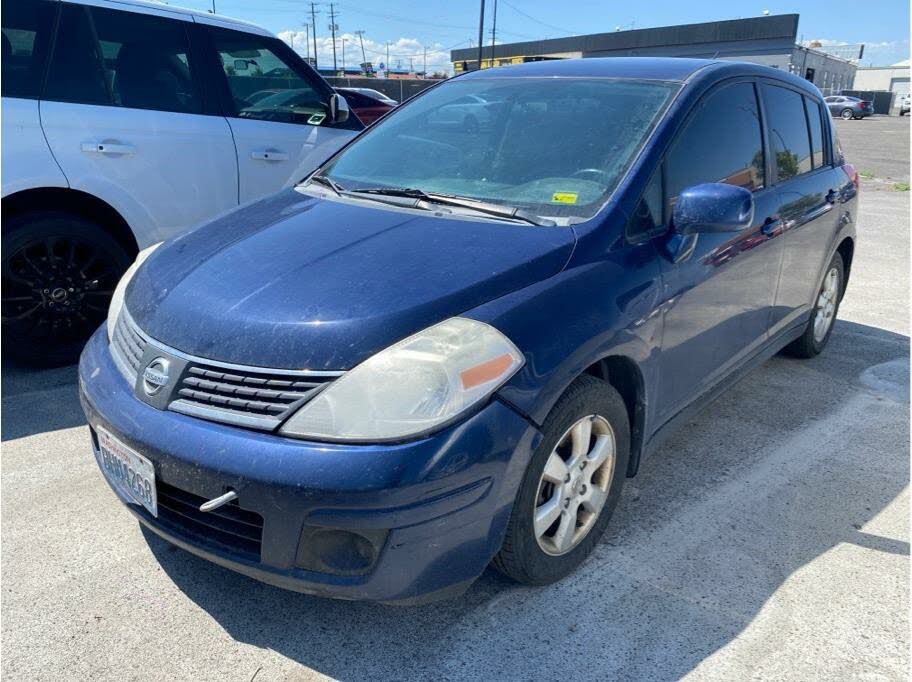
[{"x": 649, "y": 68}]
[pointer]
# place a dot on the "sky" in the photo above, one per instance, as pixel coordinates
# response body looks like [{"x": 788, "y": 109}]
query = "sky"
[{"x": 440, "y": 25}]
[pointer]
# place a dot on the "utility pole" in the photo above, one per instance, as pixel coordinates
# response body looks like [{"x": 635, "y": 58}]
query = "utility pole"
[
  {"x": 343, "y": 56},
  {"x": 307, "y": 38},
  {"x": 480, "y": 33},
  {"x": 360, "y": 35},
  {"x": 425, "y": 62},
  {"x": 493, "y": 31},
  {"x": 333, "y": 28},
  {"x": 313, "y": 25},
  {"x": 388, "y": 65},
  {"x": 411, "y": 65}
]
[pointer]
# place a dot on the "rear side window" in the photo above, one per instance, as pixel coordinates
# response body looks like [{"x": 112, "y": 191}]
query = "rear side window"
[
  {"x": 788, "y": 132},
  {"x": 123, "y": 59},
  {"x": 816, "y": 127},
  {"x": 27, "y": 28},
  {"x": 722, "y": 142}
]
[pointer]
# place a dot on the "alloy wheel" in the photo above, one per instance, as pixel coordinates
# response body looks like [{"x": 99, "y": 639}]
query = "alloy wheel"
[
  {"x": 826, "y": 305},
  {"x": 574, "y": 486},
  {"x": 57, "y": 288}
]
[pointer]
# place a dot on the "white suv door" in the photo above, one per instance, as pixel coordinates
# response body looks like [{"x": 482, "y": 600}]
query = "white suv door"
[
  {"x": 128, "y": 119},
  {"x": 278, "y": 110}
]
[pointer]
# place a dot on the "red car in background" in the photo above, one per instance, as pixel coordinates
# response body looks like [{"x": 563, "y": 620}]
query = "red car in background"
[{"x": 368, "y": 105}]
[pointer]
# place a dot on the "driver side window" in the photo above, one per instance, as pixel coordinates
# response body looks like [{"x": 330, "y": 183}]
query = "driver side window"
[{"x": 264, "y": 84}]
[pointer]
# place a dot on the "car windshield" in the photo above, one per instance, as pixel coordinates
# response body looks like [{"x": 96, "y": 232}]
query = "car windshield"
[{"x": 554, "y": 147}]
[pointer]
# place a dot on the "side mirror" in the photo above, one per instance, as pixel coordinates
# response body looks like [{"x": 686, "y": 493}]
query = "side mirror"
[
  {"x": 338, "y": 108},
  {"x": 241, "y": 65},
  {"x": 713, "y": 207}
]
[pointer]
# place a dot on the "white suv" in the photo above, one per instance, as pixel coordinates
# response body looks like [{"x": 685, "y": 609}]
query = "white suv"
[{"x": 125, "y": 123}]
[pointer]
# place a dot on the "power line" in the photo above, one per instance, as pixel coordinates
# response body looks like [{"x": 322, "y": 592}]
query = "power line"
[{"x": 537, "y": 21}]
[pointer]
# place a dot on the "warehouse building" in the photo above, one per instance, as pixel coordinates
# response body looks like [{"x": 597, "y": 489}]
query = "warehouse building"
[
  {"x": 893, "y": 79},
  {"x": 770, "y": 40}
]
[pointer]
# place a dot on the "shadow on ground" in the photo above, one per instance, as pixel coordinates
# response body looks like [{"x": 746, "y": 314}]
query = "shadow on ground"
[
  {"x": 779, "y": 471},
  {"x": 754, "y": 489}
]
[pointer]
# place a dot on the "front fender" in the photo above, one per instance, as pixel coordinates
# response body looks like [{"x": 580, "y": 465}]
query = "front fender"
[{"x": 582, "y": 315}]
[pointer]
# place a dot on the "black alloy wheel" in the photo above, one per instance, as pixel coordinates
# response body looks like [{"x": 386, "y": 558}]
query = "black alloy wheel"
[{"x": 59, "y": 272}]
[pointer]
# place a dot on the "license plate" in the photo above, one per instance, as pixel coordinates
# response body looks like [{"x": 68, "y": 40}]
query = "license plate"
[{"x": 132, "y": 474}]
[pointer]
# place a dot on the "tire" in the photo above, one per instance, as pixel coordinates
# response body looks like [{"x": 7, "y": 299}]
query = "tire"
[
  {"x": 523, "y": 556},
  {"x": 59, "y": 271},
  {"x": 847, "y": 114},
  {"x": 811, "y": 343}
]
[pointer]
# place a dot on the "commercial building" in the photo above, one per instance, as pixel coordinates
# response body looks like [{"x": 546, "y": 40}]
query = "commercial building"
[
  {"x": 893, "y": 79},
  {"x": 770, "y": 40}
]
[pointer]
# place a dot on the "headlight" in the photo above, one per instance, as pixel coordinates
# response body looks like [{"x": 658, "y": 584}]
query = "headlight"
[
  {"x": 117, "y": 299},
  {"x": 411, "y": 387}
]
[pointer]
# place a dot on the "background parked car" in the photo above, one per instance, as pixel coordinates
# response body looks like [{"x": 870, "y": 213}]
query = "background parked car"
[
  {"x": 366, "y": 106},
  {"x": 370, "y": 92},
  {"x": 145, "y": 130},
  {"x": 848, "y": 107},
  {"x": 904, "y": 104},
  {"x": 471, "y": 113}
]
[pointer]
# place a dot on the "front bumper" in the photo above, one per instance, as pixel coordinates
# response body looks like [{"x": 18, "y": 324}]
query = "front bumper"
[{"x": 445, "y": 500}]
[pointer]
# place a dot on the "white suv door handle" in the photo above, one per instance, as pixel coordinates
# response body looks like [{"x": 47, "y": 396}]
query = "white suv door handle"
[
  {"x": 268, "y": 155},
  {"x": 109, "y": 148}
]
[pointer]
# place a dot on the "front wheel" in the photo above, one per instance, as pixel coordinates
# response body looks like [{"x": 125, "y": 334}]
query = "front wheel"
[
  {"x": 571, "y": 486},
  {"x": 58, "y": 274},
  {"x": 847, "y": 114},
  {"x": 826, "y": 306}
]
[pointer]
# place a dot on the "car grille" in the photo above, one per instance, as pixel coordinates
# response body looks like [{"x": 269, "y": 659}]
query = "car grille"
[
  {"x": 257, "y": 399},
  {"x": 127, "y": 347},
  {"x": 253, "y": 397},
  {"x": 229, "y": 527}
]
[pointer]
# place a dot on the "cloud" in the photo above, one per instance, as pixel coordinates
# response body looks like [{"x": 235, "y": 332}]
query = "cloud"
[{"x": 403, "y": 52}]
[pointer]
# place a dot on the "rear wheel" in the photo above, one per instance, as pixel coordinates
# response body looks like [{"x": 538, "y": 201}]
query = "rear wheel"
[
  {"x": 826, "y": 306},
  {"x": 571, "y": 486},
  {"x": 58, "y": 274},
  {"x": 847, "y": 114}
]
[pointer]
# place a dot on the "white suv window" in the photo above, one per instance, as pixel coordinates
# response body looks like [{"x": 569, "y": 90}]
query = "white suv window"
[
  {"x": 123, "y": 59},
  {"x": 264, "y": 85}
]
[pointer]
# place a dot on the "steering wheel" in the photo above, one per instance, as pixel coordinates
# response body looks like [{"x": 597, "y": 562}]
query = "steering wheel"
[{"x": 603, "y": 174}]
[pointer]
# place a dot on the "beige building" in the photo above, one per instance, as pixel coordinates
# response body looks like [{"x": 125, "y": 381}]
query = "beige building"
[{"x": 893, "y": 78}]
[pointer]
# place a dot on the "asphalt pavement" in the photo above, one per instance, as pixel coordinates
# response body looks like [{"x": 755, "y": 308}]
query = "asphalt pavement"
[{"x": 768, "y": 539}]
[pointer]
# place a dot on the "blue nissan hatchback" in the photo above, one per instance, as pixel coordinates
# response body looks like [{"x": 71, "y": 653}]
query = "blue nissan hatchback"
[{"x": 449, "y": 346}]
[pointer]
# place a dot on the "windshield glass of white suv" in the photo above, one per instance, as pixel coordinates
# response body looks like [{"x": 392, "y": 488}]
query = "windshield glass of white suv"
[{"x": 555, "y": 147}]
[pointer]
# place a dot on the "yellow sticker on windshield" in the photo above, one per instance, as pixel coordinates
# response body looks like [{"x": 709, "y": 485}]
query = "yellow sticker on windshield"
[{"x": 564, "y": 197}]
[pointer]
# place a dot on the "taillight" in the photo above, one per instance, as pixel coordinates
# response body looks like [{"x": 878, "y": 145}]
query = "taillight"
[{"x": 850, "y": 171}]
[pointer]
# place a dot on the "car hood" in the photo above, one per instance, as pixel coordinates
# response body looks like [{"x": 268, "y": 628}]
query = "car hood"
[{"x": 295, "y": 281}]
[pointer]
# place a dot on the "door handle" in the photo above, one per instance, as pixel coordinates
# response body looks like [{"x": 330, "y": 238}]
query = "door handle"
[
  {"x": 108, "y": 148},
  {"x": 771, "y": 226},
  {"x": 831, "y": 196},
  {"x": 268, "y": 155}
]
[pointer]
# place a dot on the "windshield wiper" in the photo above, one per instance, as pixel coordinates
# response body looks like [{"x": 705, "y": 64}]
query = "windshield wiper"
[
  {"x": 327, "y": 181},
  {"x": 511, "y": 212}
]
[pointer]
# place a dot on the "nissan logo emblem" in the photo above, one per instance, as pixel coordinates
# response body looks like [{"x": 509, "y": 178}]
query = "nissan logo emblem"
[{"x": 155, "y": 376}]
